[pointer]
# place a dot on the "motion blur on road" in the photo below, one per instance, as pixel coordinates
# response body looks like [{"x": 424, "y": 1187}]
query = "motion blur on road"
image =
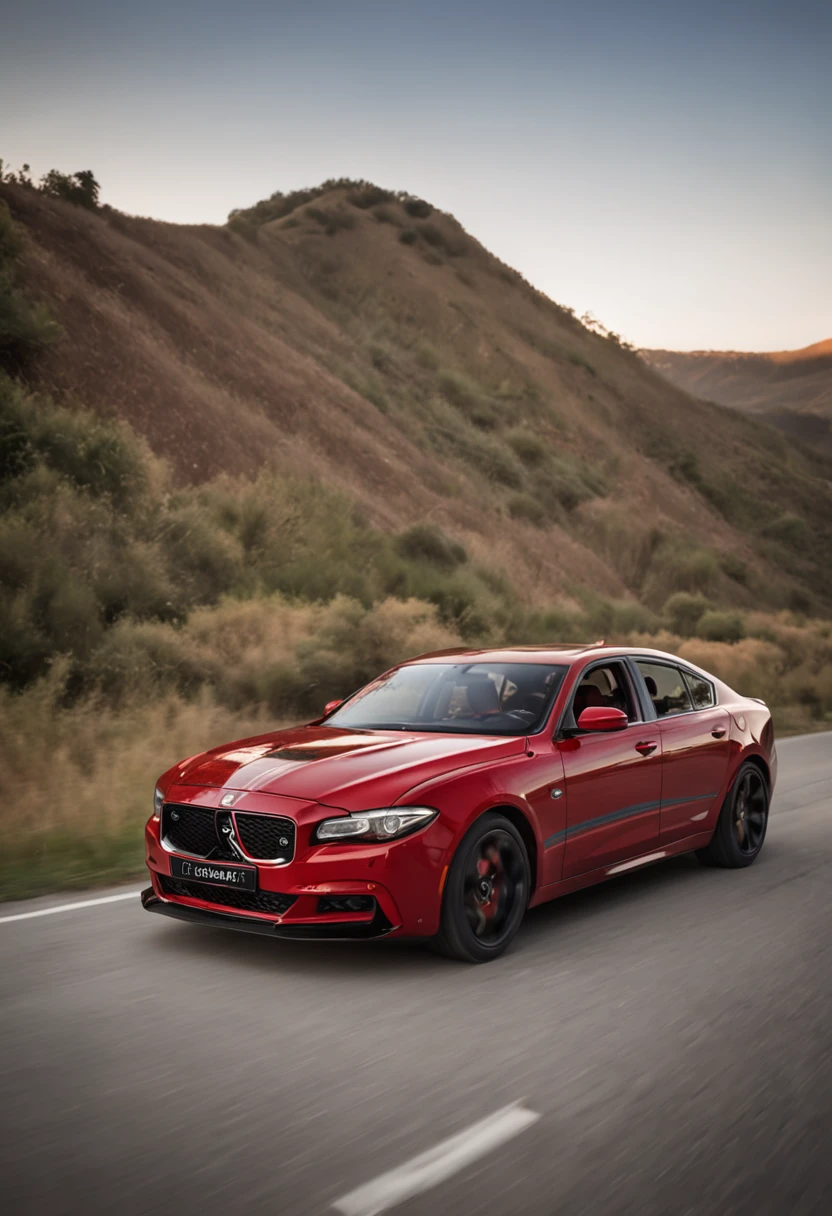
[{"x": 671, "y": 1029}]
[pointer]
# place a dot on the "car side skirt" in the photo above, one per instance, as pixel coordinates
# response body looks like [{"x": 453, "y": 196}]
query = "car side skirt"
[{"x": 659, "y": 852}]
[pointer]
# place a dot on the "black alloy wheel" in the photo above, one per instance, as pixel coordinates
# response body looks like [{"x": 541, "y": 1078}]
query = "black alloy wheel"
[
  {"x": 742, "y": 823},
  {"x": 486, "y": 892}
]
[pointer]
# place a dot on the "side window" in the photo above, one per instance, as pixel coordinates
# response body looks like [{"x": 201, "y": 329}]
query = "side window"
[
  {"x": 701, "y": 690},
  {"x": 605, "y": 685},
  {"x": 667, "y": 688}
]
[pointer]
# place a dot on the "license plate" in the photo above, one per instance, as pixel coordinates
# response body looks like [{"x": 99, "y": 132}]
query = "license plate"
[{"x": 244, "y": 878}]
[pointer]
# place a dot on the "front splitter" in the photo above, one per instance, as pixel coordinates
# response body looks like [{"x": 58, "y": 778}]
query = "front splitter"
[{"x": 378, "y": 927}]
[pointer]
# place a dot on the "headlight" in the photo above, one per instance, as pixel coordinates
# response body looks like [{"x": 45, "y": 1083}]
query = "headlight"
[
  {"x": 158, "y": 799},
  {"x": 387, "y": 824}
]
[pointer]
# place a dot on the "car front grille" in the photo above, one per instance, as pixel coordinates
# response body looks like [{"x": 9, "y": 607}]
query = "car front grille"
[
  {"x": 266, "y": 837},
  {"x": 243, "y": 901},
  {"x": 193, "y": 830},
  {"x": 190, "y": 829}
]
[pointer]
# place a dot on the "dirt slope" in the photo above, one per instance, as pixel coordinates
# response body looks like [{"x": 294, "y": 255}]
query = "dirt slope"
[{"x": 392, "y": 355}]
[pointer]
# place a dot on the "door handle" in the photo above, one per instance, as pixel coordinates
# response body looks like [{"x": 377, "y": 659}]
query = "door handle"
[
  {"x": 719, "y": 732},
  {"x": 647, "y": 747}
]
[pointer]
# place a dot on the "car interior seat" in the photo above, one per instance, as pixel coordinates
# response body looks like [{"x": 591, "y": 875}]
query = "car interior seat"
[
  {"x": 482, "y": 695},
  {"x": 586, "y": 696}
]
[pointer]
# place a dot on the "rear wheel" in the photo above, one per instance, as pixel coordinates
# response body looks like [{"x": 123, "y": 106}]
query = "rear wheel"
[
  {"x": 742, "y": 823},
  {"x": 486, "y": 891}
]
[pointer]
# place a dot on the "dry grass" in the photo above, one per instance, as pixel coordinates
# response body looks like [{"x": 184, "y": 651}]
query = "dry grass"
[{"x": 76, "y": 781}]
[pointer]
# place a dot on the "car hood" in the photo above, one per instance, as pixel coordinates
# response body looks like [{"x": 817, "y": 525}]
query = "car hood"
[{"x": 346, "y": 769}]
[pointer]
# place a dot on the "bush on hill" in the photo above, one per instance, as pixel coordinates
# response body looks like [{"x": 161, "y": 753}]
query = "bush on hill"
[{"x": 26, "y": 326}]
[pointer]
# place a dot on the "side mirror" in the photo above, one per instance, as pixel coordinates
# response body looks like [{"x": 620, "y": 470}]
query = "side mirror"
[
  {"x": 330, "y": 707},
  {"x": 602, "y": 718}
]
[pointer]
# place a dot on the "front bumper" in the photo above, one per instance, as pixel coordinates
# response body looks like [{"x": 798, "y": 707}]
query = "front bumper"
[
  {"x": 378, "y": 926},
  {"x": 402, "y": 878}
]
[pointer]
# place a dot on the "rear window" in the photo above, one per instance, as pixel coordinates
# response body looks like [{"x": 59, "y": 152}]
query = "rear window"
[
  {"x": 701, "y": 690},
  {"x": 667, "y": 688}
]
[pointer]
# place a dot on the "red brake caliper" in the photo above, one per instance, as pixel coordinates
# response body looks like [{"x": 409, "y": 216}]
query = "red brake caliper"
[{"x": 484, "y": 866}]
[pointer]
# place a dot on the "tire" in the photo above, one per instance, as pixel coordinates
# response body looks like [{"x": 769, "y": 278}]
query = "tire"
[
  {"x": 743, "y": 820},
  {"x": 486, "y": 892}
]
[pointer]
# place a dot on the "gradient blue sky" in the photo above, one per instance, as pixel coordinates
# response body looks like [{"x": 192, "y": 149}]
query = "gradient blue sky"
[{"x": 667, "y": 166}]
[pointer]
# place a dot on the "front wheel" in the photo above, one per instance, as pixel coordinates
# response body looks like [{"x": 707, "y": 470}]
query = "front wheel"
[
  {"x": 486, "y": 891},
  {"x": 741, "y": 827}
]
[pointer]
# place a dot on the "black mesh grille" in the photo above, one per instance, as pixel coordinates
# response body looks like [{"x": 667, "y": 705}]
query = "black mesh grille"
[
  {"x": 266, "y": 836},
  {"x": 346, "y": 903},
  {"x": 190, "y": 829},
  {"x": 244, "y": 901}
]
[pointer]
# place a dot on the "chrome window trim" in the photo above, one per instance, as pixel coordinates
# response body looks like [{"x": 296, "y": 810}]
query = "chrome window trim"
[{"x": 685, "y": 671}]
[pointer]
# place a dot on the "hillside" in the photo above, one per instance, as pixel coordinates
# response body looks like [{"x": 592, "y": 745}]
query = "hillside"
[
  {"x": 792, "y": 390},
  {"x": 245, "y": 468},
  {"x": 369, "y": 342}
]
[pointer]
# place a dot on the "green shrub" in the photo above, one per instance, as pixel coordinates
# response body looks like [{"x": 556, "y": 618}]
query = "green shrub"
[
  {"x": 429, "y": 543},
  {"x": 469, "y": 397},
  {"x": 683, "y": 611},
  {"x": 685, "y": 467},
  {"x": 381, "y": 356},
  {"x": 581, "y": 361},
  {"x": 789, "y": 530},
  {"x": 26, "y": 326},
  {"x": 481, "y": 452},
  {"x": 529, "y": 447},
  {"x": 208, "y": 560},
  {"x": 331, "y": 219},
  {"x": 721, "y": 626},
  {"x": 408, "y": 236},
  {"x": 418, "y": 208},
  {"x": 243, "y": 226},
  {"x": 279, "y": 204},
  {"x": 735, "y": 568},
  {"x": 368, "y": 387},
  {"x": 427, "y": 356},
  {"x": 616, "y": 618},
  {"x": 79, "y": 188},
  {"x": 369, "y": 195},
  {"x": 105, "y": 458},
  {"x": 523, "y": 506},
  {"x": 676, "y": 565},
  {"x": 569, "y": 481}
]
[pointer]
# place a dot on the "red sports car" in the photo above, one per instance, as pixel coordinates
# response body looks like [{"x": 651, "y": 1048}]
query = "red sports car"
[{"x": 458, "y": 789}]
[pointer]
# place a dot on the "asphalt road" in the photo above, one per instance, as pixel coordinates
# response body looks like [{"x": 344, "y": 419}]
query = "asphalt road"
[{"x": 672, "y": 1030}]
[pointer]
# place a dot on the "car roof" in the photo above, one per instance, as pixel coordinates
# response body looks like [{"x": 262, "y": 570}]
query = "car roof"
[{"x": 550, "y": 652}]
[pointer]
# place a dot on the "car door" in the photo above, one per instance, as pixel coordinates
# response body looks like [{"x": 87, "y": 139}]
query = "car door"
[
  {"x": 696, "y": 743},
  {"x": 612, "y": 780}
]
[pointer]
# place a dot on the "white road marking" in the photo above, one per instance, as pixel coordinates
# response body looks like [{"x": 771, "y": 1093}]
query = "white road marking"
[
  {"x": 84, "y": 903},
  {"x": 438, "y": 1163}
]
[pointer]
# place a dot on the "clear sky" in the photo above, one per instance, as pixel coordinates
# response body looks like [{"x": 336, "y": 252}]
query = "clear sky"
[{"x": 667, "y": 166}]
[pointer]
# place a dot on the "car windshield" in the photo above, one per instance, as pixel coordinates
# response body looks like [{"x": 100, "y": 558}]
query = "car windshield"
[{"x": 460, "y": 698}]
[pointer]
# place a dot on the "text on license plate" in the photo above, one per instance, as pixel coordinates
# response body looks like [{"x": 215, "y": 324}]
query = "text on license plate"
[{"x": 242, "y": 877}]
